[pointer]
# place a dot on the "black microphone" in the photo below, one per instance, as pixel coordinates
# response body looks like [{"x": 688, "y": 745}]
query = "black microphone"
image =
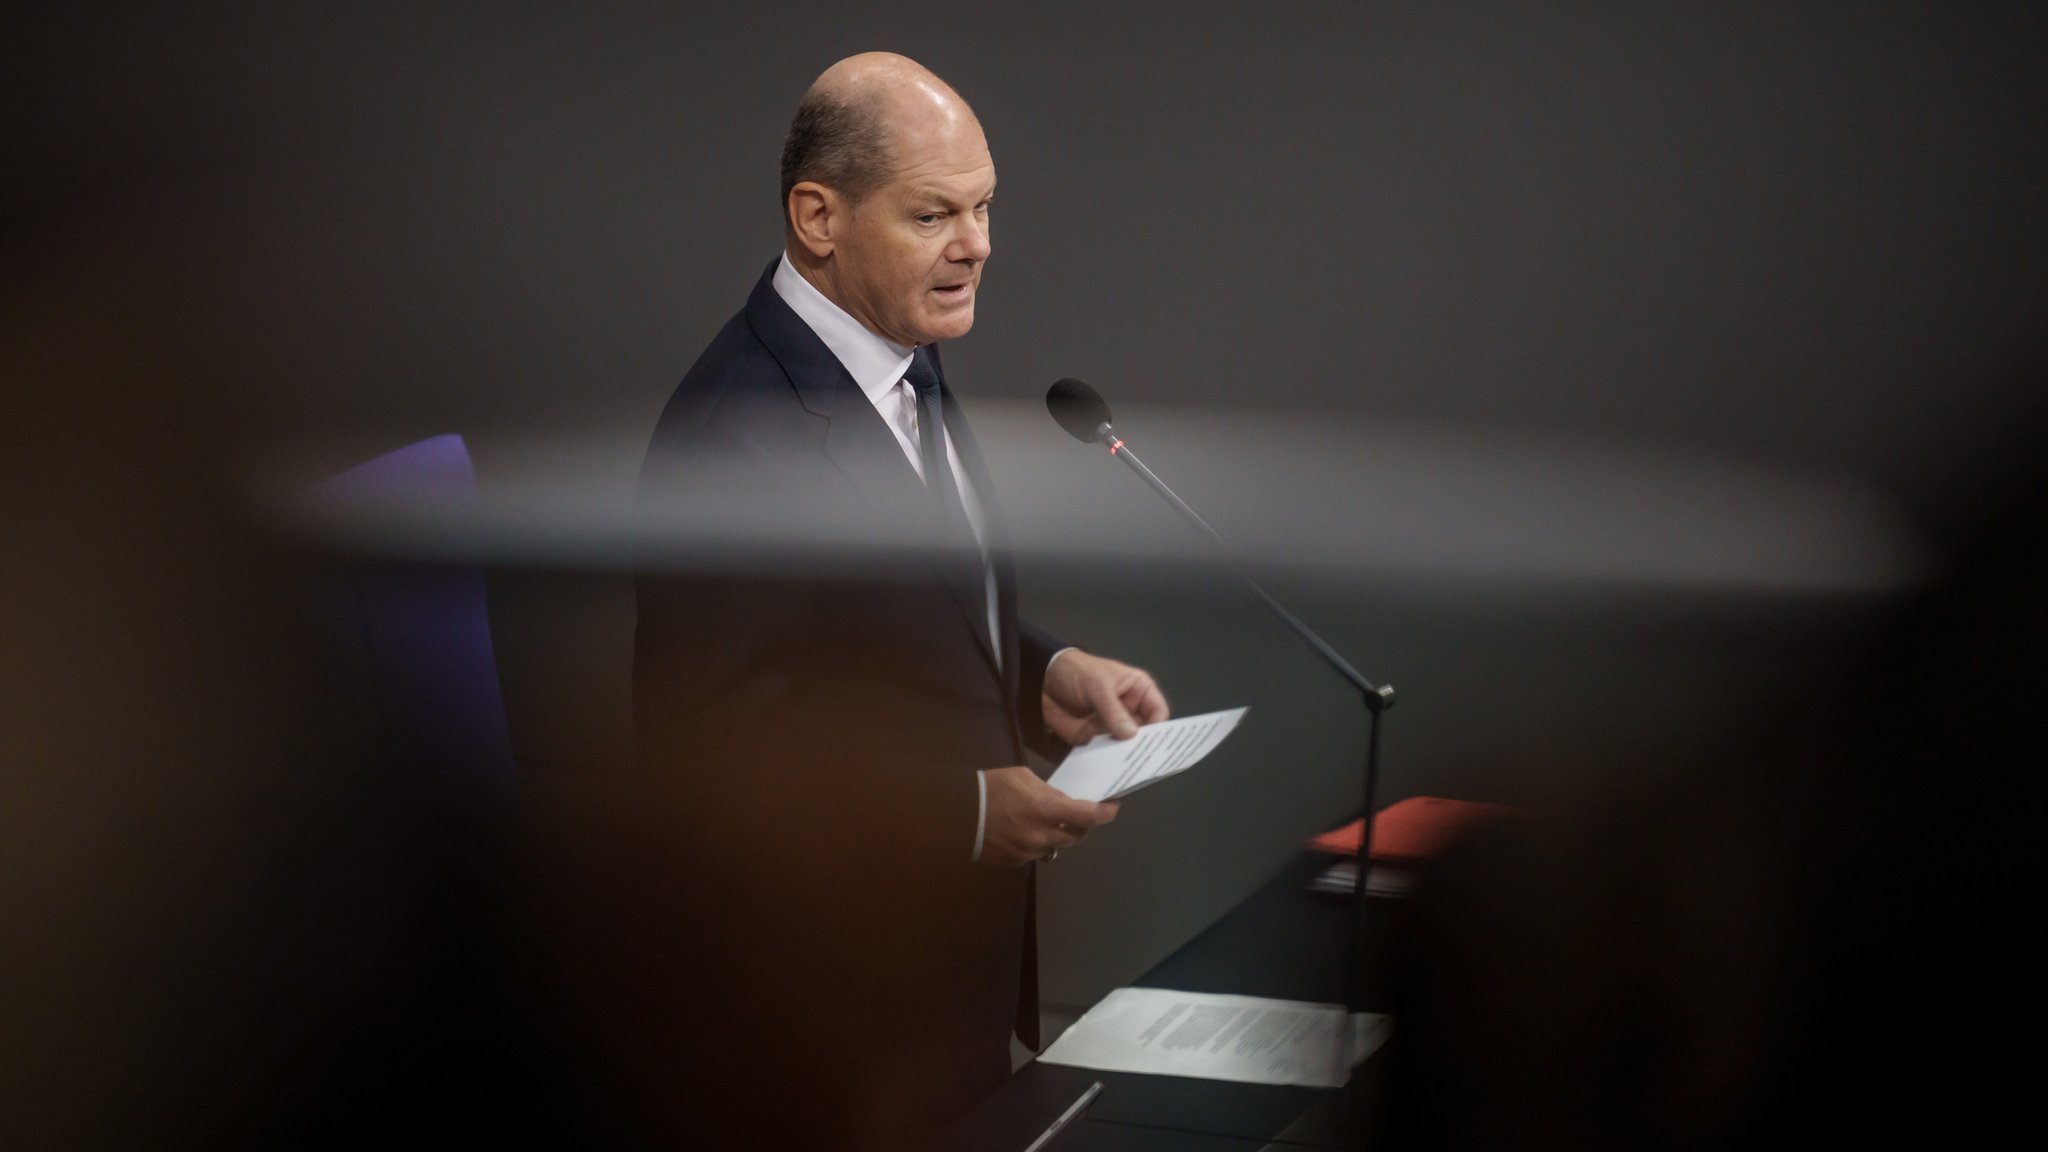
[{"x": 1082, "y": 411}]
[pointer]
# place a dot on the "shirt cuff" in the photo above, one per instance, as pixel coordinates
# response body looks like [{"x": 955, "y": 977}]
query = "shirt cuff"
[
  {"x": 981, "y": 814},
  {"x": 1054, "y": 659}
]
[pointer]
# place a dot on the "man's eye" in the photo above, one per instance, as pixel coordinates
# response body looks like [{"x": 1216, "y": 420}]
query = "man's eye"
[{"x": 928, "y": 218}]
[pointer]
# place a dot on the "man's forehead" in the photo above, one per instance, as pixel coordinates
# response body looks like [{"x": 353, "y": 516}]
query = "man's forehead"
[
  {"x": 973, "y": 183},
  {"x": 935, "y": 143}
]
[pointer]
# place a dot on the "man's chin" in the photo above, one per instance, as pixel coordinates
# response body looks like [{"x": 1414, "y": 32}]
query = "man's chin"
[{"x": 949, "y": 325}]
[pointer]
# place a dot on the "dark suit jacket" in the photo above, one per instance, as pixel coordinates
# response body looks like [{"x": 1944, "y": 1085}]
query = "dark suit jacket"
[{"x": 818, "y": 718}]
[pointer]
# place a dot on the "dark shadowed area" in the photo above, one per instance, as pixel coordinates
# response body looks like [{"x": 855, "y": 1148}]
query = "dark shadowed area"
[{"x": 1609, "y": 380}]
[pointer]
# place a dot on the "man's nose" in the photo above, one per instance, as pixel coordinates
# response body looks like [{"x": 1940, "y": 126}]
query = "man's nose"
[{"x": 971, "y": 243}]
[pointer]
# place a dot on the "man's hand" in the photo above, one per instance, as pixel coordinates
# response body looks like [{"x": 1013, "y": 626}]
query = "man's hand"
[
  {"x": 1086, "y": 696},
  {"x": 1029, "y": 819}
]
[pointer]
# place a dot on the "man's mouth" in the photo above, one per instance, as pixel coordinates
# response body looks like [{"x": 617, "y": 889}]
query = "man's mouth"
[{"x": 954, "y": 291}]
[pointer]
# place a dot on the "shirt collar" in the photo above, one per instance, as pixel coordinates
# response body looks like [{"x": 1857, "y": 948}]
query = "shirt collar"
[{"x": 874, "y": 363}]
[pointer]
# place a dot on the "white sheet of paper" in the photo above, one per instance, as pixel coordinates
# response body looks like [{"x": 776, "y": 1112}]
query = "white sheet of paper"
[
  {"x": 1217, "y": 1037},
  {"x": 1106, "y": 768}
]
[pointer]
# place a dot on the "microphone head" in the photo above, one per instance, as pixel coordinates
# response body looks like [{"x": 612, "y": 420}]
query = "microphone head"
[{"x": 1079, "y": 408}]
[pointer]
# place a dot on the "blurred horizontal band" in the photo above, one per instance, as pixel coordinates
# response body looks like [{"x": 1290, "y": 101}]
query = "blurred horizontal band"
[{"x": 1292, "y": 491}]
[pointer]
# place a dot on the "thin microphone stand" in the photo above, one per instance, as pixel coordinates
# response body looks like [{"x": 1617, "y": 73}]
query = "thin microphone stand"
[{"x": 1377, "y": 698}]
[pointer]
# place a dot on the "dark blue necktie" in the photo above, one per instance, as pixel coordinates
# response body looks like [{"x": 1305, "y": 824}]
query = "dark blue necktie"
[
  {"x": 969, "y": 575},
  {"x": 931, "y": 440}
]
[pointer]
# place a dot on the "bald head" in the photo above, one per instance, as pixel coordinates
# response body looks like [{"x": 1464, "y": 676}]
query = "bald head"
[
  {"x": 886, "y": 183},
  {"x": 861, "y": 115}
]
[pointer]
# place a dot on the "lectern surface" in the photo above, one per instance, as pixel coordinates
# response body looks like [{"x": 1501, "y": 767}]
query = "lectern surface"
[{"x": 1283, "y": 941}]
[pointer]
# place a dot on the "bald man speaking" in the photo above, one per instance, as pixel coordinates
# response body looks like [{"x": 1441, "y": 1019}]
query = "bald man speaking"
[{"x": 846, "y": 733}]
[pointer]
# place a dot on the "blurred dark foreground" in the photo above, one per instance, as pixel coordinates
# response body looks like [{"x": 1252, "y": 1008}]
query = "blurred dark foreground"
[{"x": 1818, "y": 927}]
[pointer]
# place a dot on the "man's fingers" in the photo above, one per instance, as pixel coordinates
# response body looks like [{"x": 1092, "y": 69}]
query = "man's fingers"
[
  {"x": 1090, "y": 696},
  {"x": 1151, "y": 706},
  {"x": 1110, "y": 710},
  {"x": 1067, "y": 834},
  {"x": 1076, "y": 730},
  {"x": 1059, "y": 808},
  {"x": 1081, "y": 732},
  {"x": 1029, "y": 818}
]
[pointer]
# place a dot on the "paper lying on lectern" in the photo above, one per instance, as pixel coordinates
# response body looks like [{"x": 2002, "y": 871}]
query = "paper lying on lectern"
[
  {"x": 1217, "y": 1037},
  {"x": 1106, "y": 768}
]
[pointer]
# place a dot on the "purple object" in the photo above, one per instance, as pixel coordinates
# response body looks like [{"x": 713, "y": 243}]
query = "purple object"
[{"x": 422, "y": 628}]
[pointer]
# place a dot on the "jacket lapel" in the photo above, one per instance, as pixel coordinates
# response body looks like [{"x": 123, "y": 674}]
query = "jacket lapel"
[{"x": 861, "y": 446}]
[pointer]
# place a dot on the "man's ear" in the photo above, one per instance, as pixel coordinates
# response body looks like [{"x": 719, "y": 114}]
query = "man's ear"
[{"x": 814, "y": 212}]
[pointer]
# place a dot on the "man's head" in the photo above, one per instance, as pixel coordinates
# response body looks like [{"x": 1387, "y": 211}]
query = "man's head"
[{"x": 886, "y": 180}]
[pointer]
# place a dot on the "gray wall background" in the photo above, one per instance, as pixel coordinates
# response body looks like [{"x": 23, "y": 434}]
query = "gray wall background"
[{"x": 1798, "y": 241}]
